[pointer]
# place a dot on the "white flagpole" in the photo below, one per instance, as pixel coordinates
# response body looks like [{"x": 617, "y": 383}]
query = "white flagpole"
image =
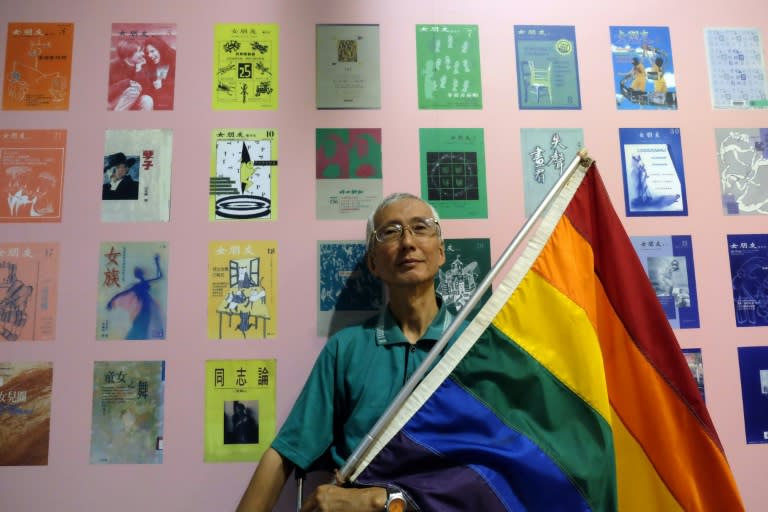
[{"x": 581, "y": 159}]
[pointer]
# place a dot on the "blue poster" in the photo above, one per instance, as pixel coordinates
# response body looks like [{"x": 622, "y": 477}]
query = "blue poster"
[
  {"x": 547, "y": 67},
  {"x": 643, "y": 73},
  {"x": 696, "y": 365},
  {"x": 749, "y": 277},
  {"x": 668, "y": 261},
  {"x": 753, "y": 367},
  {"x": 652, "y": 163}
]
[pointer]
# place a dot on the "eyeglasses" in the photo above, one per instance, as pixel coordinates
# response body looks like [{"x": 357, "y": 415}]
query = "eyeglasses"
[{"x": 419, "y": 228}]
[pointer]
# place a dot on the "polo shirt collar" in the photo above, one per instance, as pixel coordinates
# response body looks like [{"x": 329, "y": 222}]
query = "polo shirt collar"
[{"x": 389, "y": 333}]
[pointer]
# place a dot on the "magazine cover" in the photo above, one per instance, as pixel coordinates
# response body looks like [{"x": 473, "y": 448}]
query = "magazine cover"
[
  {"x": 643, "y": 71},
  {"x": 453, "y": 171},
  {"x": 696, "y": 365},
  {"x": 136, "y": 182},
  {"x": 348, "y": 74},
  {"x": 243, "y": 183},
  {"x": 245, "y": 66},
  {"x": 748, "y": 255},
  {"x": 736, "y": 82},
  {"x": 38, "y": 66},
  {"x": 128, "y": 412},
  {"x": 29, "y": 273},
  {"x": 753, "y": 369},
  {"x": 546, "y": 154},
  {"x": 348, "y": 172},
  {"x": 242, "y": 290},
  {"x": 467, "y": 261},
  {"x": 32, "y": 175},
  {"x": 25, "y": 412},
  {"x": 347, "y": 291},
  {"x": 654, "y": 180},
  {"x": 742, "y": 158},
  {"x": 448, "y": 67},
  {"x": 239, "y": 409},
  {"x": 142, "y": 66},
  {"x": 668, "y": 261},
  {"x": 547, "y": 67},
  {"x": 133, "y": 291}
]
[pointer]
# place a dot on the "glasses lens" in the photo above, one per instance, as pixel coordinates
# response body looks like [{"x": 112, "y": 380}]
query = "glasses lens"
[{"x": 389, "y": 233}]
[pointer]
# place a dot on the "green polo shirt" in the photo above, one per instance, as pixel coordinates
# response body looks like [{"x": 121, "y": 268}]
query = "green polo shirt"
[{"x": 355, "y": 378}]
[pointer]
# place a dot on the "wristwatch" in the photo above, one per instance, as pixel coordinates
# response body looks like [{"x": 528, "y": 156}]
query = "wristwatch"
[{"x": 395, "y": 501}]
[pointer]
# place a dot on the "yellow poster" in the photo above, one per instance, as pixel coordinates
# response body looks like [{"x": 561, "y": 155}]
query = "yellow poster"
[
  {"x": 242, "y": 289},
  {"x": 245, "y": 72},
  {"x": 239, "y": 409},
  {"x": 38, "y": 66}
]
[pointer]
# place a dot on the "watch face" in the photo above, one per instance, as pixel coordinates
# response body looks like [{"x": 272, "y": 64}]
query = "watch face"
[{"x": 396, "y": 505}]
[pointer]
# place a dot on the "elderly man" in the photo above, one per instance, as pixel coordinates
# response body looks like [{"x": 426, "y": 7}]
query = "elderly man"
[{"x": 361, "y": 368}]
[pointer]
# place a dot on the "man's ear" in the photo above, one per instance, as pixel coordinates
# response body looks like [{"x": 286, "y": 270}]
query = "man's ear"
[{"x": 371, "y": 263}]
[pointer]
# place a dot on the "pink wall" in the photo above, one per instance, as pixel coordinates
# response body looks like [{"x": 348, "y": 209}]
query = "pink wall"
[{"x": 183, "y": 481}]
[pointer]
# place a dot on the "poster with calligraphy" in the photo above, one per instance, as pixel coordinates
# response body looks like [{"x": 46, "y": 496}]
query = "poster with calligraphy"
[
  {"x": 654, "y": 179},
  {"x": 128, "y": 412},
  {"x": 29, "y": 273},
  {"x": 347, "y": 291},
  {"x": 696, "y": 365},
  {"x": 25, "y": 412},
  {"x": 453, "y": 171},
  {"x": 132, "y": 297},
  {"x": 547, "y": 67},
  {"x": 245, "y": 66},
  {"x": 240, "y": 418},
  {"x": 347, "y": 73},
  {"x": 742, "y": 159},
  {"x": 753, "y": 370},
  {"x": 32, "y": 175},
  {"x": 467, "y": 261},
  {"x": 748, "y": 256},
  {"x": 244, "y": 171},
  {"x": 142, "y": 66},
  {"x": 136, "y": 176},
  {"x": 668, "y": 261},
  {"x": 737, "y": 75},
  {"x": 242, "y": 289},
  {"x": 348, "y": 172},
  {"x": 643, "y": 70},
  {"x": 546, "y": 153},
  {"x": 448, "y": 67},
  {"x": 38, "y": 66}
]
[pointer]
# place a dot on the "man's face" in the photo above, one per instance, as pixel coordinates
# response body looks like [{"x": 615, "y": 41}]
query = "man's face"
[
  {"x": 120, "y": 171},
  {"x": 410, "y": 260}
]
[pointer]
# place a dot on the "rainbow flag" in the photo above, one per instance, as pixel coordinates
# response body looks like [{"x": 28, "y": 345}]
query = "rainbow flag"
[{"x": 568, "y": 390}]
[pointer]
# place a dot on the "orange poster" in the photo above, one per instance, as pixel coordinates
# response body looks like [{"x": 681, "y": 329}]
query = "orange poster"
[
  {"x": 31, "y": 174},
  {"x": 38, "y": 66}
]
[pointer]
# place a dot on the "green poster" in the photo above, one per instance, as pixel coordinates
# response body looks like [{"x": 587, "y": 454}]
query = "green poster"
[
  {"x": 239, "y": 409},
  {"x": 448, "y": 67},
  {"x": 453, "y": 171}
]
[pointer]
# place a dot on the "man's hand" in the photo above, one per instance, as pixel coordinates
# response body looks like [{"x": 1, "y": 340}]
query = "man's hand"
[{"x": 331, "y": 497}]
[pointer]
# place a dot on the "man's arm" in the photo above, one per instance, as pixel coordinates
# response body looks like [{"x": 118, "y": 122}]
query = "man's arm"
[{"x": 266, "y": 483}]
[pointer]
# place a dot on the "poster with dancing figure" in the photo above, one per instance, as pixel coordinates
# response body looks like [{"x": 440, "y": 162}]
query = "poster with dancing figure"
[
  {"x": 245, "y": 66},
  {"x": 748, "y": 255},
  {"x": 38, "y": 66},
  {"x": 242, "y": 290},
  {"x": 31, "y": 175},
  {"x": 29, "y": 273},
  {"x": 142, "y": 67},
  {"x": 244, "y": 172},
  {"x": 25, "y": 412},
  {"x": 742, "y": 159},
  {"x": 132, "y": 291}
]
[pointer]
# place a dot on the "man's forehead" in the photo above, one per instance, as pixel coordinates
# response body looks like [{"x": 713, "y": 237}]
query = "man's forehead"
[{"x": 404, "y": 209}]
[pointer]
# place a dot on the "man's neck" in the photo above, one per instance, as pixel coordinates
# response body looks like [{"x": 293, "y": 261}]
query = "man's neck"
[{"x": 414, "y": 310}]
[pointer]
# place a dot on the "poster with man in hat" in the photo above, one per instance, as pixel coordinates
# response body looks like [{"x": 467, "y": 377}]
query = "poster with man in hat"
[{"x": 118, "y": 182}]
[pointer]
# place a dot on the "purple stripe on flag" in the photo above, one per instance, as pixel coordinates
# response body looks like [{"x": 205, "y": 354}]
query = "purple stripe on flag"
[{"x": 455, "y": 454}]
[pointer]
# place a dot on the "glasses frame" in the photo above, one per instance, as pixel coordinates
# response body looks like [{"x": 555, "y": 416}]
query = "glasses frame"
[{"x": 375, "y": 235}]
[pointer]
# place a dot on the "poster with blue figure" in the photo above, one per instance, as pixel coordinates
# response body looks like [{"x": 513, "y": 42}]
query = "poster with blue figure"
[
  {"x": 643, "y": 71},
  {"x": 748, "y": 256},
  {"x": 654, "y": 179},
  {"x": 753, "y": 368},
  {"x": 547, "y": 67},
  {"x": 347, "y": 291},
  {"x": 668, "y": 261}
]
